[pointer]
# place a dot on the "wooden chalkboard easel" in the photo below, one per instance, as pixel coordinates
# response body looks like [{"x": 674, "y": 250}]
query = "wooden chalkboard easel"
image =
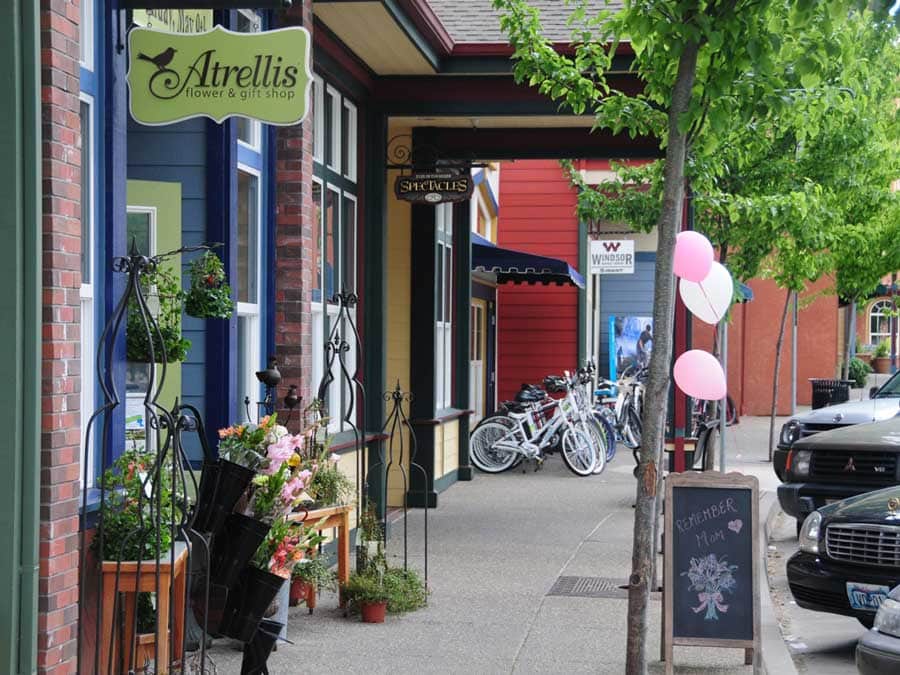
[{"x": 711, "y": 561}]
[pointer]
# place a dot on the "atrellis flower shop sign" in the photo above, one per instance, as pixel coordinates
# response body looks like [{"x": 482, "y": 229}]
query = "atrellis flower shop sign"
[{"x": 219, "y": 74}]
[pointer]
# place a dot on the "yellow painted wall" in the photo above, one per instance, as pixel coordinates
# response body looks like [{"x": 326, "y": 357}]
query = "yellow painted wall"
[
  {"x": 399, "y": 264},
  {"x": 446, "y": 445}
]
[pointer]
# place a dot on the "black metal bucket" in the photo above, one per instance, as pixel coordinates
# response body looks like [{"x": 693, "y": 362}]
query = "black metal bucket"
[
  {"x": 248, "y": 601},
  {"x": 221, "y": 485},
  {"x": 233, "y": 548},
  {"x": 257, "y": 651}
]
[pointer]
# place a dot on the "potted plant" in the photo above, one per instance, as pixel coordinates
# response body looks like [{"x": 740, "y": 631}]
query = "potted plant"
[
  {"x": 858, "y": 372},
  {"x": 366, "y": 592},
  {"x": 330, "y": 486},
  {"x": 162, "y": 292},
  {"x": 369, "y": 539},
  {"x": 310, "y": 576},
  {"x": 209, "y": 296},
  {"x": 406, "y": 590},
  {"x": 864, "y": 354},
  {"x": 881, "y": 361}
]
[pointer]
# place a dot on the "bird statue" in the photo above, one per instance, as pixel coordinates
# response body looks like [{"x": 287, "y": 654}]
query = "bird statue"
[{"x": 162, "y": 59}]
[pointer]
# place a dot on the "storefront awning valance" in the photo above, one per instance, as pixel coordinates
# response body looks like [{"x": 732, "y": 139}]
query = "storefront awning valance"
[{"x": 517, "y": 266}]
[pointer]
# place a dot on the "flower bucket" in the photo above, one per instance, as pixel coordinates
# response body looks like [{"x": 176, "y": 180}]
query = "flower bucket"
[
  {"x": 303, "y": 591},
  {"x": 234, "y": 547},
  {"x": 373, "y": 612},
  {"x": 221, "y": 485},
  {"x": 248, "y": 601},
  {"x": 257, "y": 651}
]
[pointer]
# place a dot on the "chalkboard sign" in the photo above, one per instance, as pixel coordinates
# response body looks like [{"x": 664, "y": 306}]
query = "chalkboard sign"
[{"x": 711, "y": 562}]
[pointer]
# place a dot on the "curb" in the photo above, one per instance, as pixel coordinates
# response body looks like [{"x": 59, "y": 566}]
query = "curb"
[{"x": 776, "y": 658}]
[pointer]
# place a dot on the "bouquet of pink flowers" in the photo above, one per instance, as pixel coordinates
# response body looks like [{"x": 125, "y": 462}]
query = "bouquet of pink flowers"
[{"x": 285, "y": 546}]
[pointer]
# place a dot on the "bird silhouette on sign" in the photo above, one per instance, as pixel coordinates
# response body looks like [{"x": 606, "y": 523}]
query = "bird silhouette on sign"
[{"x": 161, "y": 60}]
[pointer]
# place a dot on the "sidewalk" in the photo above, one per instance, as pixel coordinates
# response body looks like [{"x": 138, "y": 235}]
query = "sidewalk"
[{"x": 497, "y": 546}]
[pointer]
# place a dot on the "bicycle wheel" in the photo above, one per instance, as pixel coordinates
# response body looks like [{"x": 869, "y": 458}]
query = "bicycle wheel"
[
  {"x": 482, "y": 452},
  {"x": 633, "y": 430},
  {"x": 504, "y": 419},
  {"x": 578, "y": 452},
  {"x": 598, "y": 438},
  {"x": 609, "y": 430}
]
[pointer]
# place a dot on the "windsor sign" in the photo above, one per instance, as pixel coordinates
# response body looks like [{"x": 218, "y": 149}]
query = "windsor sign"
[
  {"x": 610, "y": 256},
  {"x": 219, "y": 74}
]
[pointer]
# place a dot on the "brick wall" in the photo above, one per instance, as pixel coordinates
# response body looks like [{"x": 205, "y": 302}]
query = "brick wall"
[
  {"x": 293, "y": 241},
  {"x": 60, "y": 422}
]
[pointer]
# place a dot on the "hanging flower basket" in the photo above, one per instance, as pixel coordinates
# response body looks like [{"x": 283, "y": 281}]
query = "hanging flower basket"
[
  {"x": 209, "y": 296},
  {"x": 162, "y": 292}
]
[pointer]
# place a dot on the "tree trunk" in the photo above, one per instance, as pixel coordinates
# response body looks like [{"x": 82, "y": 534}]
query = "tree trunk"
[
  {"x": 776, "y": 378},
  {"x": 848, "y": 340},
  {"x": 656, "y": 396}
]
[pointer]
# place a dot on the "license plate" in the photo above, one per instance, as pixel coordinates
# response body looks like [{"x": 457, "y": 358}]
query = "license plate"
[{"x": 866, "y": 596}]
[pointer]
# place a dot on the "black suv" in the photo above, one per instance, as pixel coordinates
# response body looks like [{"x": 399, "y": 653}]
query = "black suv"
[
  {"x": 837, "y": 464},
  {"x": 849, "y": 557}
]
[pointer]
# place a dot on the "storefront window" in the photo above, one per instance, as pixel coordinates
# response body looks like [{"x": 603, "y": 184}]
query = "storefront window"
[
  {"x": 333, "y": 229},
  {"x": 248, "y": 308},
  {"x": 880, "y": 322},
  {"x": 87, "y": 276},
  {"x": 248, "y": 131},
  {"x": 443, "y": 334}
]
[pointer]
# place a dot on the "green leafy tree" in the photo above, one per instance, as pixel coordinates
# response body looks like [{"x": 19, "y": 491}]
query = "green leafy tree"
[{"x": 708, "y": 67}]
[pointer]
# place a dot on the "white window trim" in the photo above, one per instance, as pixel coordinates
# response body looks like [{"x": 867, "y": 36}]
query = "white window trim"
[
  {"x": 255, "y": 142},
  {"x": 251, "y": 310},
  {"x": 336, "y": 128},
  {"x": 443, "y": 335},
  {"x": 318, "y": 120},
  {"x": 351, "y": 140},
  {"x": 86, "y": 307},
  {"x": 352, "y": 198},
  {"x": 337, "y": 243},
  {"x": 880, "y": 306},
  {"x": 86, "y": 37}
]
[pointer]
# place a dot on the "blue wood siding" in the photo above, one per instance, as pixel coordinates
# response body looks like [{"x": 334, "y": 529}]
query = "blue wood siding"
[
  {"x": 625, "y": 295},
  {"x": 177, "y": 153}
]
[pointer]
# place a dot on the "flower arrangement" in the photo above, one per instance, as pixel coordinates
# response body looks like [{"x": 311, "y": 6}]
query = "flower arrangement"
[
  {"x": 247, "y": 444},
  {"x": 209, "y": 296},
  {"x": 710, "y": 577},
  {"x": 285, "y": 546}
]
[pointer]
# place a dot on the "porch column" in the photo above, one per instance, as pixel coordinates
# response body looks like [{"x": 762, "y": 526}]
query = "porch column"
[{"x": 462, "y": 243}]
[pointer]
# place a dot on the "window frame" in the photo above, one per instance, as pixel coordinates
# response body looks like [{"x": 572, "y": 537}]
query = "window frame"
[
  {"x": 351, "y": 140},
  {"x": 254, "y": 143},
  {"x": 443, "y": 320},
  {"x": 251, "y": 311},
  {"x": 337, "y": 110},
  {"x": 87, "y": 293},
  {"x": 877, "y": 310},
  {"x": 318, "y": 120},
  {"x": 86, "y": 38}
]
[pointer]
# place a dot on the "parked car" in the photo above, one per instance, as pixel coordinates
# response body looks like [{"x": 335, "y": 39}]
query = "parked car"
[
  {"x": 849, "y": 557},
  {"x": 881, "y": 405},
  {"x": 878, "y": 651},
  {"x": 841, "y": 463}
]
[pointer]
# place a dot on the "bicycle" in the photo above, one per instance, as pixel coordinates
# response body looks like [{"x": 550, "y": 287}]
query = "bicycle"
[{"x": 498, "y": 442}]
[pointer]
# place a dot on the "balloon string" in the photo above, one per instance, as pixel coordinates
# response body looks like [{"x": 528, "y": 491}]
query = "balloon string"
[{"x": 708, "y": 301}]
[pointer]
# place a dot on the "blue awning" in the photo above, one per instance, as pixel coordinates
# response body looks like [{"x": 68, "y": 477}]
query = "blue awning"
[
  {"x": 742, "y": 292},
  {"x": 518, "y": 267}
]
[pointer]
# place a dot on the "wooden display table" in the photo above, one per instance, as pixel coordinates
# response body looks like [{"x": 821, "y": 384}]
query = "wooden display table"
[
  {"x": 337, "y": 517},
  {"x": 170, "y": 579}
]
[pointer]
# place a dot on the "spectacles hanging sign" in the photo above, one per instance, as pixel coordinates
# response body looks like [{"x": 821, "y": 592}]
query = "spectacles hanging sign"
[
  {"x": 434, "y": 188},
  {"x": 219, "y": 74},
  {"x": 610, "y": 256},
  {"x": 174, "y": 20}
]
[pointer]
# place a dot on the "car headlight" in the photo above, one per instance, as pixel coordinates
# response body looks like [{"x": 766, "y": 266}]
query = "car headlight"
[
  {"x": 887, "y": 618},
  {"x": 798, "y": 463},
  {"x": 790, "y": 432},
  {"x": 809, "y": 533}
]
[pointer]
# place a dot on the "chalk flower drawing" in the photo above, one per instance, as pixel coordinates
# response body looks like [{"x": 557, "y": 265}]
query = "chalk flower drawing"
[{"x": 711, "y": 577}]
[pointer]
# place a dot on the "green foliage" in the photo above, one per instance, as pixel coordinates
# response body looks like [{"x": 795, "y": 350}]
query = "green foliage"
[
  {"x": 209, "y": 296},
  {"x": 403, "y": 590},
  {"x": 331, "y": 486},
  {"x": 161, "y": 288},
  {"x": 859, "y": 370},
  {"x": 315, "y": 572},
  {"x": 882, "y": 350},
  {"x": 137, "y": 495}
]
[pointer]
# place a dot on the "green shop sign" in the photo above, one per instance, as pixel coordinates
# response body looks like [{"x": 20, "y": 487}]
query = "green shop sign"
[{"x": 219, "y": 74}]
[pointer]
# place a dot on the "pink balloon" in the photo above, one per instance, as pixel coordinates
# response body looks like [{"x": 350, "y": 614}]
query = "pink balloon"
[
  {"x": 693, "y": 256},
  {"x": 699, "y": 375}
]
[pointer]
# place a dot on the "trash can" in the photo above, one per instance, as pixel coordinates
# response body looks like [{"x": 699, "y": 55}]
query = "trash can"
[{"x": 829, "y": 392}]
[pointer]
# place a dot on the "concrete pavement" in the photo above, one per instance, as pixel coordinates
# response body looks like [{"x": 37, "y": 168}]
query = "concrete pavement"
[{"x": 497, "y": 546}]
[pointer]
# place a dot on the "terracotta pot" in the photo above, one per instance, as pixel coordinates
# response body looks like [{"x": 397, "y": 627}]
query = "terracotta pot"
[
  {"x": 373, "y": 612},
  {"x": 882, "y": 365},
  {"x": 299, "y": 591},
  {"x": 865, "y": 358}
]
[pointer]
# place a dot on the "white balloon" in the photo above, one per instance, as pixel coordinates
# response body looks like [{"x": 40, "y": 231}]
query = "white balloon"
[{"x": 709, "y": 299}]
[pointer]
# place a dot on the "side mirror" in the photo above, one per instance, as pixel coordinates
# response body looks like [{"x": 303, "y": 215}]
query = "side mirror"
[{"x": 872, "y": 391}]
